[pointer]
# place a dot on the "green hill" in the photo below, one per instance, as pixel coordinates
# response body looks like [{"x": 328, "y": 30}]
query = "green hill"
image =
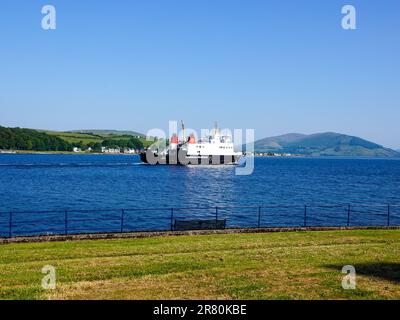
[
  {"x": 108, "y": 133},
  {"x": 107, "y": 138},
  {"x": 45, "y": 140},
  {"x": 323, "y": 144},
  {"x": 28, "y": 139},
  {"x": 74, "y": 137}
]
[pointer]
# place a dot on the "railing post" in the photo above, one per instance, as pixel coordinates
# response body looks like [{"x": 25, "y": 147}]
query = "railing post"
[
  {"x": 122, "y": 220},
  {"x": 348, "y": 214},
  {"x": 216, "y": 217},
  {"x": 388, "y": 215},
  {"x": 172, "y": 219},
  {"x": 305, "y": 216},
  {"x": 10, "y": 225},
  {"x": 259, "y": 217},
  {"x": 66, "y": 222}
]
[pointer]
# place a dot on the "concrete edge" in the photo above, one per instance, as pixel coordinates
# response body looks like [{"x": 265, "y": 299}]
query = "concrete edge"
[{"x": 136, "y": 235}]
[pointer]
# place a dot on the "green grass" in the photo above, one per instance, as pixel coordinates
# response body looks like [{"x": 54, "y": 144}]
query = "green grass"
[
  {"x": 293, "y": 265},
  {"x": 86, "y": 138},
  {"x": 72, "y": 137}
]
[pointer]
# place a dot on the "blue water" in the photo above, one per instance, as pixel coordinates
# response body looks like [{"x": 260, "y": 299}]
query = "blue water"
[{"x": 56, "y": 183}]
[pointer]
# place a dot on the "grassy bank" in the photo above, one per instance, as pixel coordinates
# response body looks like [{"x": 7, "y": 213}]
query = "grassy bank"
[
  {"x": 293, "y": 265},
  {"x": 86, "y": 138},
  {"x": 69, "y": 152}
]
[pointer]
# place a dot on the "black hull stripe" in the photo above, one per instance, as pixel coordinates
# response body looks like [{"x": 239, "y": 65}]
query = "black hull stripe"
[{"x": 211, "y": 160}]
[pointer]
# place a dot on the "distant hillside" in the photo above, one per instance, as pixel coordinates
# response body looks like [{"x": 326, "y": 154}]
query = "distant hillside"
[
  {"x": 106, "y": 138},
  {"x": 45, "y": 140},
  {"x": 28, "y": 139},
  {"x": 107, "y": 133},
  {"x": 323, "y": 144}
]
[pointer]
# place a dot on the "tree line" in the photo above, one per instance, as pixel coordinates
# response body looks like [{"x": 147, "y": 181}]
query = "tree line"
[
  {"x": 29, "y": 139},
  {"x": 131, "y": 143}
]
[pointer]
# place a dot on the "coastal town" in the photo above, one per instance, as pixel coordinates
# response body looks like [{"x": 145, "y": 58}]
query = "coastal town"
[{"x": 108, "y": 150}]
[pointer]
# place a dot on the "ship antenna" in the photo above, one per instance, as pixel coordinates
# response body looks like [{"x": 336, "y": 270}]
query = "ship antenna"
[
  {"x": 183, "y": 131},
  {"x": 216, "y": 127}
]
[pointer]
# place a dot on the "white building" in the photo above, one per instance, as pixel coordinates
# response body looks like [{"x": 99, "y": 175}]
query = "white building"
[{"x": 110, "y": 150}]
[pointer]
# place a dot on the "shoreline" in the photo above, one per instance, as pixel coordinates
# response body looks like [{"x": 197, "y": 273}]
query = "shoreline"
[
  {"x": 137, "y": 154},
  {"x": 65, "y": 152},
  {"x": 164, "y": 234}
]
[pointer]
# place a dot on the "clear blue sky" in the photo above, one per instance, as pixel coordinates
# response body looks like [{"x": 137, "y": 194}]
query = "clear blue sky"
[{"x": 275, "y": 66}]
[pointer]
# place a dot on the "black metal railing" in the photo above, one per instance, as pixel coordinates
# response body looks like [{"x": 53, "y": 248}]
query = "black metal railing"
[{"x": 25, "y": 223}]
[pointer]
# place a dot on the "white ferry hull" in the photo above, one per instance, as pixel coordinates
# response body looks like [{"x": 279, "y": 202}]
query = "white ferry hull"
[
  {"x": 189, "y": 160},
  {"x": 214, "y": 149}
]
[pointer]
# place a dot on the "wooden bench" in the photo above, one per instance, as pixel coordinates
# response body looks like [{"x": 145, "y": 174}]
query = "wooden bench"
[{"x": 212, "y": 224}]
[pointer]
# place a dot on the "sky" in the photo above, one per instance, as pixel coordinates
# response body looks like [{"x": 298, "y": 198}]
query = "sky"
[{"x": 274, "y": 66}]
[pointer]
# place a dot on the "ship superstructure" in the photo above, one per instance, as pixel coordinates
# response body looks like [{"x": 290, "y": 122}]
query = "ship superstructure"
[{"x": 214, "y": 149}]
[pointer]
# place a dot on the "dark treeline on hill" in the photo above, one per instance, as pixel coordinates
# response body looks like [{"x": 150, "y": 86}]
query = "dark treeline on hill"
[
  {"x": 28, "y": 139},
  {"x": 131, "y": 143}
]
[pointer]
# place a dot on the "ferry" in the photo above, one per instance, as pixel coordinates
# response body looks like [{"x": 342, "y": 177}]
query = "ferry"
[{"x": 215, "y": 149}]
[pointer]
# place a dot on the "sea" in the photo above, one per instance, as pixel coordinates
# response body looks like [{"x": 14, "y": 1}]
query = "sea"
[{"x": 56, "y": 193}]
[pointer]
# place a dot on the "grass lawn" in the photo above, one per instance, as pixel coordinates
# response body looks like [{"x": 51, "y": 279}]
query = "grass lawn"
[
  {"x": 85, "y": 138},
  {"x": 292, "y": 265},
  {"x": 71, "y": 137}
]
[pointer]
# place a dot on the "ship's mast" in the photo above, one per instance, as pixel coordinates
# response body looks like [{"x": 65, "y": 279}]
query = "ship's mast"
[{"x": 183, "y": 132}]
